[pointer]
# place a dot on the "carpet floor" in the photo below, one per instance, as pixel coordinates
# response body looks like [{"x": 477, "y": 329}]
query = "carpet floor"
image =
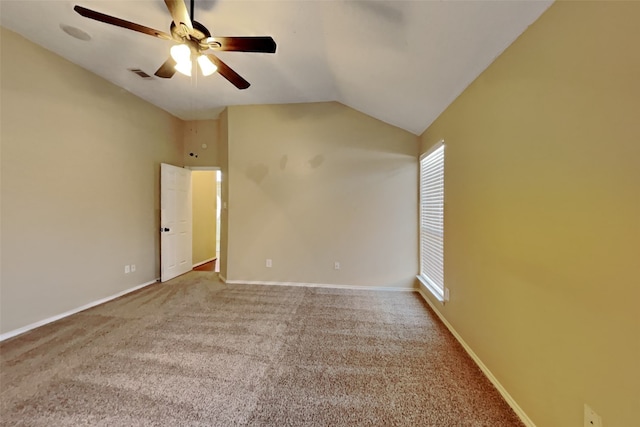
[{"x": 196, "y": 352}]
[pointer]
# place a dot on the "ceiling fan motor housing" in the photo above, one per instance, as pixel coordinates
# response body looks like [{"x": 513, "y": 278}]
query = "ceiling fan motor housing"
[{"x": 195, "y": 39}]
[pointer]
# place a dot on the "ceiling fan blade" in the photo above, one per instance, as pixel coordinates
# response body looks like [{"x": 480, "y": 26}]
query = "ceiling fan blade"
[
  {"x": 107, "y": 19},
  {"x": 243, "y": 44},
  {"x": 167, "y": 70},
  {"x": 179, "y": 13},
  {"x": 226, "y": 72}
]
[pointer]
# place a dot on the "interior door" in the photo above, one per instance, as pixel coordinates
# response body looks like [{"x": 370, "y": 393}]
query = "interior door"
[{"x": 175, "y": 221}]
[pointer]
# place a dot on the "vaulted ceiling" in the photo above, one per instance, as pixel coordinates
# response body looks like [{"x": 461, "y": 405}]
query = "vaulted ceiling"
[{"x": 402, "y": 62}]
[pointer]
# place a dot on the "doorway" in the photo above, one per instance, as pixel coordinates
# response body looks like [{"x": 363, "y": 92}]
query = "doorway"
[{"x": 206, "y": 218}]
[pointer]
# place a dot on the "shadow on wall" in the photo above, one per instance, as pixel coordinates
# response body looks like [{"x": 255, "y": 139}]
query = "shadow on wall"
[
  {"x": 257, "y": 173},
  {"x": 316, "y": 161}
]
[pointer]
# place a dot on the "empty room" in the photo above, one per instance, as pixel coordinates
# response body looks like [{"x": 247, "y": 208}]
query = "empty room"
[{"x": 417, "y": 213}]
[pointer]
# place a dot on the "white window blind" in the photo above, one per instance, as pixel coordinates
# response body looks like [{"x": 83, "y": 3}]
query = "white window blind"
[{"x": 432, "y": 220}]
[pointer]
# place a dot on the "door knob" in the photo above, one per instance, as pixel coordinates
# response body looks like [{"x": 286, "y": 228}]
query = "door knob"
[{"x": 164, "y": 229}]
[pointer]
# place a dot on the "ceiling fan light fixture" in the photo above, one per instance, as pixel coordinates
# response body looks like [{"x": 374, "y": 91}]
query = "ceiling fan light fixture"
[
  {"x": 184, "y": 67},
  {"x": 181, "y": 53},
  {"x": 191, "y": 39},
  {"x": 206, "y": 66}
]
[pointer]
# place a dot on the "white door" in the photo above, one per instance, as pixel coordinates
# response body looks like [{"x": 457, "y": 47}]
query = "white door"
[{"x": 175, "y": 221}]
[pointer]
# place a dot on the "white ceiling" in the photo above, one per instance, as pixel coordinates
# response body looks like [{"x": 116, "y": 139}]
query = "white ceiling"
[{"x": 402, "y": 62}]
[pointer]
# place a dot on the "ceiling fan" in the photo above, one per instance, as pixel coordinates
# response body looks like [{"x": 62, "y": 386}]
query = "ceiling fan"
[{"x": 193, "y": 40}]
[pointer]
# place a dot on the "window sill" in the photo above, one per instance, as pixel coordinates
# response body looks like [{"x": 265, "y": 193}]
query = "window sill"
[{"x": 435, "y": 292}]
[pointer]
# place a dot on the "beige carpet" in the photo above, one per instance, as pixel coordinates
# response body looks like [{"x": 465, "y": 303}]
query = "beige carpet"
[{"x": 199, "y": 353}]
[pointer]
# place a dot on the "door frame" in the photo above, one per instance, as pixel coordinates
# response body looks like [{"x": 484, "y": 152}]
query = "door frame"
[{"x": 219, "y": 195}]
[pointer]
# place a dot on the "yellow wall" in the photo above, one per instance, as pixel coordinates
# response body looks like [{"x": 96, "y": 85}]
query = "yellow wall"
[
  {"x": 204, "y": 191},
  {"x": 542, "y": 214},
  {"x": 80, "y": 184},
  {"x": 197, "y": 133},
  {"x": 311, "y": 184}
]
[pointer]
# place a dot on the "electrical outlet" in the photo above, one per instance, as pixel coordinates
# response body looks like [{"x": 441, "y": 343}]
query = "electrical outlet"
[
  {"x": 269, "y": 263},
  {"x": 336, "y": 265},
  {"x": 133, "y": 268},
  {"x": 127, "y": 269},
  {"x": 591, "y": 419}
]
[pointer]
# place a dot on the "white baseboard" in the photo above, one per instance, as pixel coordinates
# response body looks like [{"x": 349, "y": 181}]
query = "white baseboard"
[
  {"x": 505, "y": 394},
  {"x": 222, "y": 278},
  {"x": 316, "y": 285},
  {"x": 43, "y": 322},
  {"x": 203, "y": 262}
]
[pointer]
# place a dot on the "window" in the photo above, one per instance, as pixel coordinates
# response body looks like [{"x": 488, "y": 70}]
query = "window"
[{"x": 432, "y": 220}]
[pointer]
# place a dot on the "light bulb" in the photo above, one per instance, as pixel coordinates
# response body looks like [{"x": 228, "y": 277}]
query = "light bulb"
[
  {"x": 180, "y": 53},
  {"x": 184, "y": 67},
  {"x": 206, "y": 66}
]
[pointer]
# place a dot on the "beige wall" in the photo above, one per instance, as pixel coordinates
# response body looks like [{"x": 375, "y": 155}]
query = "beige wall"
[
  {"x": 311, "y": 184},
  {"x": 80, "y": 184},
  {"x": 204, "y": 194},
  {"x": 197, "y": 133},
  {"x": 542, "y": 216},
  {"x": 223, "y": 136}
]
